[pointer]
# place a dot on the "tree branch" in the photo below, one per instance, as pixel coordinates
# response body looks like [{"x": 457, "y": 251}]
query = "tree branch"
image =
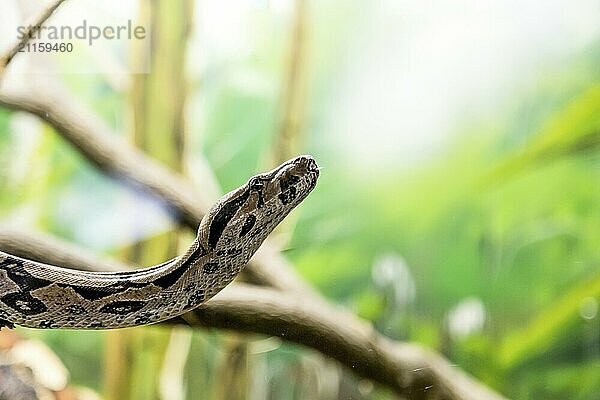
[
  {"x": 30, "y": 30},
  {"x": 90, "y": 135},
  {"x": 408, "y": 369},
  {"x": 50, "y": 250}
]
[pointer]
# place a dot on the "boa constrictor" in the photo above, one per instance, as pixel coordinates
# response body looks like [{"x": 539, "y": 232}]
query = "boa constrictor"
[{"x": 38, "y": 295}]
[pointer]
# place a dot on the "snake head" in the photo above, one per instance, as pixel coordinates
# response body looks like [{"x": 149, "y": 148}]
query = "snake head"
[{"x": 243, "y": 218}]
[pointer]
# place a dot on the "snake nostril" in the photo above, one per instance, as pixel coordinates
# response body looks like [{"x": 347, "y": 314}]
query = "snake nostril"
[{"x": 312, "y": 165}]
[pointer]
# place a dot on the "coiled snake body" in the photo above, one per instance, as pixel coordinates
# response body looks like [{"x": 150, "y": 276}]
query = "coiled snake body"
[{"x": 38, "y": 295}]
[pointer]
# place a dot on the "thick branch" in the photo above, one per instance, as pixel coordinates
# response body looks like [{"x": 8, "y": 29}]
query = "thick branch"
[
  {"x": 94, "y": 139},
  {"x": 49, "y": 250},
  {"x": 408, "y": 369},
  {"x": 30, "y": 30}
]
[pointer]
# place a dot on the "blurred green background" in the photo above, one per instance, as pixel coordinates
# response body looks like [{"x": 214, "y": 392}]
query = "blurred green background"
[{"x": 458, "y": 205}]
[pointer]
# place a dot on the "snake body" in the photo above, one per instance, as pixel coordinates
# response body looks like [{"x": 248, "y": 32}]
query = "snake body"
[{"x": 39, "y": 295}]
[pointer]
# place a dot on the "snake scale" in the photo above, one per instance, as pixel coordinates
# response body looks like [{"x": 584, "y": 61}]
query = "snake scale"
[{"x": 39, "y": 295}]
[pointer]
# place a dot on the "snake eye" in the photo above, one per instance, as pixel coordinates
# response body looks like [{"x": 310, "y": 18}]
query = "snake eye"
[{"x": 256, "y": 184}]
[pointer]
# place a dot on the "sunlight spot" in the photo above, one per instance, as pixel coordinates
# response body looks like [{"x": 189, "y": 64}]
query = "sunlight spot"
[
  {"x": 588, "y": 309},
  {"x": 391, "y": 272},
  {"x": 466, "y": 318},
  {"x": 410, "y": 84}
]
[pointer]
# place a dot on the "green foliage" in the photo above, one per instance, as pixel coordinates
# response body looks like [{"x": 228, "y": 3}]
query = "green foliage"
[
  {"x": 507, "y": 213},
  {"x": 516, "y": 228}
]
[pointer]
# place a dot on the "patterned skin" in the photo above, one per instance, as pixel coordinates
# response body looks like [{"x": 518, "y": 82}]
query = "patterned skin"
[{"x": 38, "y": 295}]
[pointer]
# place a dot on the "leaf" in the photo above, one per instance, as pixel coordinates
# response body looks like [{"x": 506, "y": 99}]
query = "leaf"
[
  {"x": 552, "y": 324},
  {"x": 571, "y": 131}
]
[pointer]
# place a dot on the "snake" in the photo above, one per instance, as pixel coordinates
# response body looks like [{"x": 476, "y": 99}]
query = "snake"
[{"x": 38, "y": 295}]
